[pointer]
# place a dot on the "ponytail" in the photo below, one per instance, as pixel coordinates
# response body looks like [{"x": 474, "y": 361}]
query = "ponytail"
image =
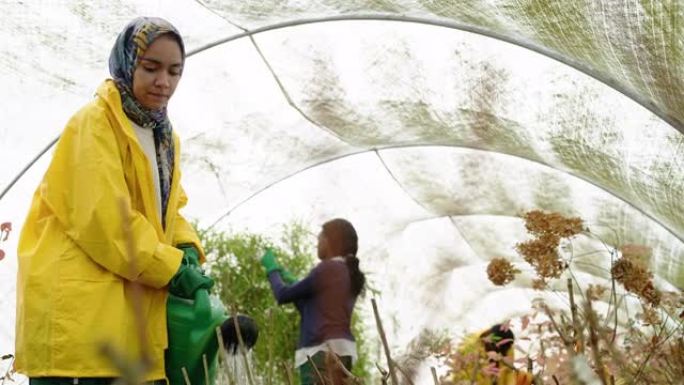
[{"x": 356, "y": 277}]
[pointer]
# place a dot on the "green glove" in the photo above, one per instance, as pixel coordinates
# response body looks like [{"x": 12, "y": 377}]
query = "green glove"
[
  {"x": 190, "y": 254},
  {"x": 268, "y": 261},
  {"x": 287, "y": 277},
  {"x": 188, "y": 280}
]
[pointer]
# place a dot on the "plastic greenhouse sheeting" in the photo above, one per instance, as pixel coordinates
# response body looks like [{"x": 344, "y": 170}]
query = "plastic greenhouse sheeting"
[{"x": 431, "y": 125}]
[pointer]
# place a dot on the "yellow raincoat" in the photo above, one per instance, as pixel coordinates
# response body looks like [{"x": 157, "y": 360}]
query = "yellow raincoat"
[
  {"x": 92, "y": 230},
  {"x": 473, "y": 345}
]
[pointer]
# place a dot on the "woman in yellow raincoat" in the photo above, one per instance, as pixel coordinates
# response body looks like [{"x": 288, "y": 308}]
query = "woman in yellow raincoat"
[
  {"x": 487, "y": 358},
  {"x": 104, "y": 242}
]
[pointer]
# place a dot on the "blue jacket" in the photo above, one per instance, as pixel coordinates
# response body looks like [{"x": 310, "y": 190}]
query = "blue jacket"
[{"x": 324, "y": 301}]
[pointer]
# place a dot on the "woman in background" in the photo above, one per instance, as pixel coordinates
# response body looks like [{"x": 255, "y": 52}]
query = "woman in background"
[{"x": 325, "y": 299}]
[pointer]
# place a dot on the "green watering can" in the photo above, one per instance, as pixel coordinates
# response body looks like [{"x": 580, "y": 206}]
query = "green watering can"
[{"x": 192, "y": 334}]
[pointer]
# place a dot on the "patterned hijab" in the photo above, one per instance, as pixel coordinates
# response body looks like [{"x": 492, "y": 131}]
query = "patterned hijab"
[{"x": 128, "y": 49}]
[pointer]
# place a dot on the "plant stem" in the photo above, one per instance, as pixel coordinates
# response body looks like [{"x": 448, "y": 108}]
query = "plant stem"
[
  {"x": 269, "y": 347},
  {"x": 206, "y": 369},
  {"x": 241, "y": 345},
  {"x": 578, "y": 342},
  {"x": 185, "y": 376},
  {"x": 288, "y": 374},
  {"x": 613, "y": 302},
  {"x": 9, "y": 368},
  {"x": 565, "y": 340},
  {"x": 406, "y": 376},
  {"x": 347, "y": 373},
  {"x": 434, "y": 375},
  {"x": 542, "y": 350},
  {"x": 383, "y": 337},
  {"x": 223, "y": 354},
  {"x": 648, "y": 358},
  {"x": 593, "y": 339},
  {"x": 383, "y": 373},
  {"x": 318, "y": 372}
]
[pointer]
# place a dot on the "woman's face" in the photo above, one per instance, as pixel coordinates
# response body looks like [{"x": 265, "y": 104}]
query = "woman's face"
[
  {"x": 158, "y": 72},
  {"x": 323, "y": 247}
]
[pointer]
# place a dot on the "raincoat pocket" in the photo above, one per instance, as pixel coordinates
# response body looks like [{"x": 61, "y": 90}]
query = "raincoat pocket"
[{"x": 88, "y": 316}]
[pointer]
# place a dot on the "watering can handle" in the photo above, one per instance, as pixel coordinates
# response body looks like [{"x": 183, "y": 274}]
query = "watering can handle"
[{"x": 202, "y": 305}]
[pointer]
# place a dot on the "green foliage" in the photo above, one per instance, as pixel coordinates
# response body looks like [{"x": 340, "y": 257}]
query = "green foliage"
[
  {"x": 242, "y": 285},
  {"x": 362, "y": 366}
]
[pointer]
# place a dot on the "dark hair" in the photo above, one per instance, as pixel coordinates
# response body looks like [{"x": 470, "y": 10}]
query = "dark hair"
[
  {"x": 343, "y": 240},
  {"x": 498, "y": 334}
]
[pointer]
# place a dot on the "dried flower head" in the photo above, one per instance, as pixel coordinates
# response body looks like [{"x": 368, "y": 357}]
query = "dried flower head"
[
  {"x": 500, "y": 271},
  {"x": 636, "y": 279},
  {"x": 649, "y": 316},
  {"x": 596, "y": 292},
  {"x": 542, "y": 254},
  {"x": 650, "y": 294},
  {"x": 543, "y": 245},
  {"x": 5, "y": 230},
  {"x": 672, "y": 303},
  {"x": 539, "y": 284},
  {"x": 538, "y": 222}
]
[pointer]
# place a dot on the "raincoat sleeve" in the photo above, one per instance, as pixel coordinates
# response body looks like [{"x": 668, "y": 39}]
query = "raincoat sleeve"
[
  {"x": 86, "y": 190},
  {"x": 183, "y": 232}
]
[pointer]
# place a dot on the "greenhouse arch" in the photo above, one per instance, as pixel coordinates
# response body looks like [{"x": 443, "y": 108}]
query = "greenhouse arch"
[{"x": 434, "y": 126}]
